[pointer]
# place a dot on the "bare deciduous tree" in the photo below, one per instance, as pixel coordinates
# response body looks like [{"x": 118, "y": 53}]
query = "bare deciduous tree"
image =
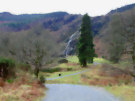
[{"x": 127, "y": 31}]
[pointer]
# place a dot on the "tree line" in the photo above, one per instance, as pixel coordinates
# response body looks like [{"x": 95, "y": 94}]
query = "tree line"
[{"x": 35, "y": 47}]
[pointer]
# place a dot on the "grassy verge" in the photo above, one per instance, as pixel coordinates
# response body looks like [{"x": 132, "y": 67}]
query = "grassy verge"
[
  {"x": 125, "y": 92},
  {"x": 113, "y": 77},
  {"x": 71, "y": 80}
]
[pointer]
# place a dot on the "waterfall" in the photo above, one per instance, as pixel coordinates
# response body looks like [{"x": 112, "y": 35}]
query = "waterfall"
[{"x": 71, "y": 45}]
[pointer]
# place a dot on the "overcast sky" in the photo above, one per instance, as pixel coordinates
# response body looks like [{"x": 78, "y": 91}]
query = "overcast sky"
[{"x": 92, "y": 7}]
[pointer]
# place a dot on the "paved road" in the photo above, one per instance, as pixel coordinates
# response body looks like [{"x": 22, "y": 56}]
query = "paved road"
[{"x": 70, "y": 92}]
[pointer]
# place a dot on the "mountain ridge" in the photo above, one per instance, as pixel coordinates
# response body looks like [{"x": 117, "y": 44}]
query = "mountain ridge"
[
  {"x": 62, "y": 25},
  {"x": 20, "y": 22}
]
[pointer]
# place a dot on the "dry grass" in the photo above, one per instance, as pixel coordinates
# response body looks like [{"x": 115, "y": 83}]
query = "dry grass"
[
  {"x": 24, "y": 88},
  {"x": 104, "y": 75},
  {"x": 116, "y": 80}
]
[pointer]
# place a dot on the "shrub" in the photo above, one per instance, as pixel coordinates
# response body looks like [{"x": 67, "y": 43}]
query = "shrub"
[
  {"x": 24, "y": 67},
  {"x": 10, "y": 80},
  {"x": 69, "y": 69},
  {"x": 51, "y": 70},
  {"x": 6, "y": 67},
  {"x": 63, "y": 61},
  {"x": 42, "y": 79},
  {"x": 95, "y": 55},
  {"x": 50, "y": 62},
  {"x": 103, "y": 57}
]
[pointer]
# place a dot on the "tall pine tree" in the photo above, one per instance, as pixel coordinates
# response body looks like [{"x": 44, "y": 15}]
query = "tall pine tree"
[{"x": 86, "y": 51}]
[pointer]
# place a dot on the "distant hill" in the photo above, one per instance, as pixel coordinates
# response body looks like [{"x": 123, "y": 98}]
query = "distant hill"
[
  {"x": 55, "y": 21},
  {"x": 59, "y": 24},
  {"x": 102, "y": 40},
  {"x": 122, "y": 9},
  {"x": 99, "y": 28},
  {"x": 20, "y": 22}
]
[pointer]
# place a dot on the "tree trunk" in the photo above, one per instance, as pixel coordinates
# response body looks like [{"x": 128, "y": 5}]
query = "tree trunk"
[
  {"x": 84, "y": 63},
  {"x": 36, "y": 71},
  {"x": 5, "y": 72},
  {"x": 133, "y": 55},
  {"x": 0, "y": 71},
  {"x": 133, "y": 59}
]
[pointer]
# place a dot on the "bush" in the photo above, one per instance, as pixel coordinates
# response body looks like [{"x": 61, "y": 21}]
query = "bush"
[
  {"x": 63, "y": 61},
  {"x": 6, "y": 67},
  {"x": 24, "y": 67},
  {"x": 96, "y": 55},
  {"x": 42, "y": 79},
  {"x": 103, "y": 57},
  {"x": 50, "y": 62},
  {"x": 69, "y": 69},
  {"x": 10, "y": 80},
  {"x": 51, "y": 70}
]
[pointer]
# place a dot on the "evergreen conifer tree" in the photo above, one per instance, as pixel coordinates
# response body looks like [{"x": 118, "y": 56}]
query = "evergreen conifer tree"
[{"x": 86, "y": 51}]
